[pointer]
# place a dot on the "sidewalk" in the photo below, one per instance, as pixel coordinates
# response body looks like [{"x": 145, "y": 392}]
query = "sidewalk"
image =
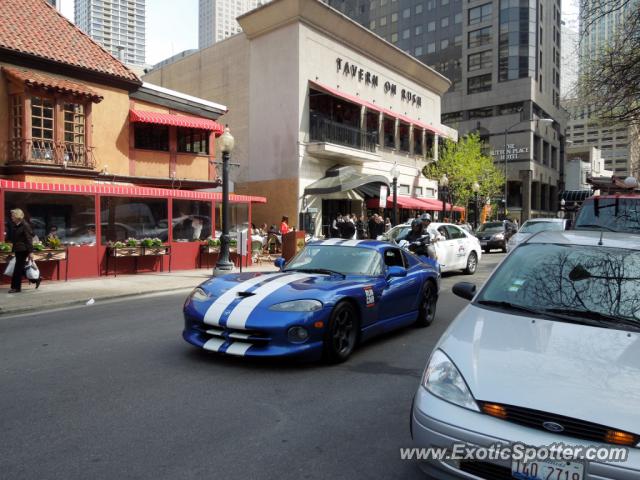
[{"x": 56, "y": 294}]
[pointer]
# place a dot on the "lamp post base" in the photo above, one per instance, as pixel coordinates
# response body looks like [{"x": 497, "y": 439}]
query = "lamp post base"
[{"x": 223, "y": 268}]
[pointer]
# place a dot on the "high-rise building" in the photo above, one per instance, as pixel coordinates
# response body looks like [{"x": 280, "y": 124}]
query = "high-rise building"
[
  {"x": 584, "y": 128},
  {"x": 118, "y": 25},
  {"x": 217, "y": 19},
  {"x": 503, "y": 57}
]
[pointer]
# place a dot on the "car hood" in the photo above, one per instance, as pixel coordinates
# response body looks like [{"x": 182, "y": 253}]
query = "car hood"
[
  {"x": 573, "y": 370},
  {"x": 281, "y": 286}
]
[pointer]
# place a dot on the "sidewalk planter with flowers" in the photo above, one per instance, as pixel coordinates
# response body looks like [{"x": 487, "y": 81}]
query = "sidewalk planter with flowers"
[
  {"x": 5, "y": 252},
  {"x": 154, "y": 247},
  {"x": 129, "y": 248},
  {"x": 212, "y": 245}
]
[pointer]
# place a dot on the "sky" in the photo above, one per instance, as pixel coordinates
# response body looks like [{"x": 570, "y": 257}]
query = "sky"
[{"x": 172, "y": 26}]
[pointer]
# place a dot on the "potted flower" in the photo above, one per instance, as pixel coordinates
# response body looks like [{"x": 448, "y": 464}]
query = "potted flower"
[
  {"x": 211, "y": 245},
  {"x": 129, "y": 248},
  {"x": 153, "y": 246},
  {"x": 38, "y": 246},
  {"x": 53, "y": 242},
  {"x": 5, "y": 251}
]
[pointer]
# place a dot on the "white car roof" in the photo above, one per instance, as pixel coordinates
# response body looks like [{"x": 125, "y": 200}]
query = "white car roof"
[
  {"x": 587, "y": 237},
  {"x": 550, "y": 219}
]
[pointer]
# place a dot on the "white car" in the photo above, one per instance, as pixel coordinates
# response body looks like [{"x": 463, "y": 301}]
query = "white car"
[
  {"x": 546, "y": 353},
  {"x": 456, "y": 249},
  {"x": 533, "y": 226}
]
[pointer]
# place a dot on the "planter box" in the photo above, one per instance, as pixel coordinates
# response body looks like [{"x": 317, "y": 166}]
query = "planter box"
[
  {"x": 47, "y": 255},
  {"x": 5, "y": 256},
  {"x": 125, "y": 251},
  {"x": 209, "y": 249},
  {"x": 154, "y": 251}
]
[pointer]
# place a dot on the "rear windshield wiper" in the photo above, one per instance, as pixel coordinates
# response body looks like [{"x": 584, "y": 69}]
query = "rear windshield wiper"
[
  {"x": 602, "y": 319},
  {"x": 316, "y": 270}
]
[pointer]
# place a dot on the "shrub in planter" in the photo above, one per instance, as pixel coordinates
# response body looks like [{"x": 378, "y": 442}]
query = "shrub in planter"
[
  {"x": 5, "y": 247},
  {"x": 38, "y": 246},
  {"x": 131, "y": 242}
]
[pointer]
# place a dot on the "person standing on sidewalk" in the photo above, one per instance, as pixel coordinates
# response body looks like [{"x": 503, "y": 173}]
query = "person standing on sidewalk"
[{"x": 22, "y": 240}]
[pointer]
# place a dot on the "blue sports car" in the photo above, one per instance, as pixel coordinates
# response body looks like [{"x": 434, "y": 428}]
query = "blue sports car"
[{"x": 331, "y": 296}]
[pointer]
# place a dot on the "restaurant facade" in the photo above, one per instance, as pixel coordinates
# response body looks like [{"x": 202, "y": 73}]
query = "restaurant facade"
[
  {"x": 114, "y": 175},
  {"x": 325, "y": 113}
]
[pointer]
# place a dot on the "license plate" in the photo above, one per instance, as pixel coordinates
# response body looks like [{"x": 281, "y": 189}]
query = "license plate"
[
  {"x": 483, "y": 243},
  {"x": 549, "y": 470}
]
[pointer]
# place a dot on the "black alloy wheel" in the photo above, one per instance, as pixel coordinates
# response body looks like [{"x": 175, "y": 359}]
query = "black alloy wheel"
[
  {"x": 342, "y": 333},
  {"x": 428, "y": 302}
]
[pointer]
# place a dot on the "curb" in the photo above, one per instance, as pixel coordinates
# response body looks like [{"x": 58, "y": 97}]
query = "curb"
[{"x": 78, "y": 303}]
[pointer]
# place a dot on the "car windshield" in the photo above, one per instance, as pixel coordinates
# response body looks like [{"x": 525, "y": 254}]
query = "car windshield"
[
  {"x": 582, "y": 282},
  {"x": 399, "y": 232},
  {"x": 536, "y": 226},
  {"x": 491, "y": 227},
  {"x": 612, "y": 214},
  {"x": 336, "y": 258}
]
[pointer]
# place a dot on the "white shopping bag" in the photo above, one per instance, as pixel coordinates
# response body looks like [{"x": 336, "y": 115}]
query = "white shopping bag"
[
  {"x": 31, "y": 270},
  {"x": 10, "y": 266}
]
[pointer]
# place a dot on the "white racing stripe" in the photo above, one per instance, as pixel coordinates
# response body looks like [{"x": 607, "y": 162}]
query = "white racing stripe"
[
  {"x": 217, "y": 308},
  {"x": 331, "y": 241},
  {"x": 213, "y": 344},
  {"x": 350, "y": 243},
  {"x": 241, "y": 312},
  {"x": 238, "y": 348}
]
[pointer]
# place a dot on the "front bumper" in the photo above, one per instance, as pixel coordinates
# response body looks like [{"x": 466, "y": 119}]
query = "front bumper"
[
  {"x": 437, "y": 423},
  {"x": 492, "y": 244}
]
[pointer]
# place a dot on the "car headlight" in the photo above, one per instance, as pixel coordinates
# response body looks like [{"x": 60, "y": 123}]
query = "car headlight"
[
  {"x": 498, "y": 236},
  {"x": 443, "y": 379},
  {"x": 297, "y": 306},
  {"x": 199, "y": 295}
]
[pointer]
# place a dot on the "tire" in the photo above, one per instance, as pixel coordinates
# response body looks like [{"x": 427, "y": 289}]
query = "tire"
[
  {"x": 504, "y": 249},
  {"x": 427, "y": 307},
  {"x": 342, "y": 333},
  {"x": 472, "y": 264}
]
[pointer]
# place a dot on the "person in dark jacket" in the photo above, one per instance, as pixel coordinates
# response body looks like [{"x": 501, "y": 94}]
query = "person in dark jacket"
[{"x": 22, "y": 240}]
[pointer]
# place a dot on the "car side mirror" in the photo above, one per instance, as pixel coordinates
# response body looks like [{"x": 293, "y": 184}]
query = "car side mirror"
[
  {"x": 279, "y": 263},
  {"x": 464, "y": 290},
  {"x": 396, "y": 271}
]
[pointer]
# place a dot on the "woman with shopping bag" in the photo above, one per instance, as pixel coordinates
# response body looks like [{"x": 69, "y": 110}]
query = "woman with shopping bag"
[{"x": 22, "y": 240}]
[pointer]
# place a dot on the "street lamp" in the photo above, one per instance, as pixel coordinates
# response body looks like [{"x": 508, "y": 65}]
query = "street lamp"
[
  {"x": 394, "y": 175},
  {"x": 444, "y": 189},
  {"x": 476, "y": 189},
  {"x": 224, "y": 265},
  {"x": 506, "y": 133}
]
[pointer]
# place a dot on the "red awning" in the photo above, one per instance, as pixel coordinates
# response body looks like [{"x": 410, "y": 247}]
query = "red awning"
[
  {"x": 436, "y": 205},
  {"x": 126, "y": 190},
  {"x": 409, "y": 203},
  {"x": 360, "y": 101},
  {"x": 175, "y": 120}
]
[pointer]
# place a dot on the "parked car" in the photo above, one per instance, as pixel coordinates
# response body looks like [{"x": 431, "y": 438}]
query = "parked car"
[
  {"x": 332, "y": 295},
  {"x": 533, "y": 226},
  {"x": 547, "y": 352},
  {"x": 616, "y": 213},
  {"x": 494, "y": 235}
]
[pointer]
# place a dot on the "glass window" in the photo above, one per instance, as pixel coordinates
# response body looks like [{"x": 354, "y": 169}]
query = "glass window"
[
  {"x": 431, "y": 26},
  {"x": 389, "y": 126},
  {"x": 480, "y": 14},
  {"x": 125, "y": 217},
  {"x": 42, "y": 128},
  {"x": 403, "y": 189},
  {"x": 406, "y": 13},
  {"x": 151, "y": 137},
  {"x": 481, "y": 83},
  {"x": 193, "y": 140},
  {"x": 444, "y": 44},
  {"x": 418, "y": 9},
  {"x": 444, "y": 2},
  {"x": 191, "y": 220},
  {"x": 346, "y": 260},
  {"x": 394, "y": 17},
  {"x": 418, "y": 51},
  {"x": 571, "y": 283},
  {"x": 457, "y": 18},
  {"x": 418, "y": 191},
  {"x": 238, "y": 218},
  {"x": 418, "y": 30},
  {"x": 372, "y": 25},
  {"x": 394, "y": 38},
  {"x": 406, "y": 33},
  {"x": 383, "y": 21},
  {"x": 431, "y": 47},
  {"x": 444, "y": 22},
  {"x": 71, "y": 218},
  {"x": 480, "y": 60},
  {"x": 457, "y": 40}
]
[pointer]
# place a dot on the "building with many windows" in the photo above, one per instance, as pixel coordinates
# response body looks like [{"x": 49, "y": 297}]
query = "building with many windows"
[
  {"x": 217, "y": 19},
  {"x": 321, "y": 110},
  {"x": 584, "y": 128},
  {"x": 503, "y": 58},
  {"x": 117, "y": 25}
]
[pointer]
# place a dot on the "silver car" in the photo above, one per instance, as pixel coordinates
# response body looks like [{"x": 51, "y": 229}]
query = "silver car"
[
  {"x": 533, "y": 226},
  {"x": 547, "y": 352}
]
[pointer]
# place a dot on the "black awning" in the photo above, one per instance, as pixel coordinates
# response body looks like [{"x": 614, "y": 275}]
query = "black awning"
[
  {"x": 342, "y": 179},
  {"x": 575, "y": 195}
]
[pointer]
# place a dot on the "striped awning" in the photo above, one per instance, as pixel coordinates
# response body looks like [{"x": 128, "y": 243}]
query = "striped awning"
[{"x": 142, "y": 116}]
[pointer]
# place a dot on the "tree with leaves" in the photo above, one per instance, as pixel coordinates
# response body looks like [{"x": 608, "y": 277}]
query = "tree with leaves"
[
  {"x": 609, "y": 79},
  {"x": 464, "y": 163}
]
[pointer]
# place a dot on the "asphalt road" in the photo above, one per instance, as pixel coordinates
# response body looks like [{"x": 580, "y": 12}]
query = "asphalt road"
[{"x": 111, "y": 391}]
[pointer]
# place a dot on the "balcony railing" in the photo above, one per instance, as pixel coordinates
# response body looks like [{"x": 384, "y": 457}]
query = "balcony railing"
[
  {"x": 21, "y": 151},
  {"x": 325, "y": 130}
]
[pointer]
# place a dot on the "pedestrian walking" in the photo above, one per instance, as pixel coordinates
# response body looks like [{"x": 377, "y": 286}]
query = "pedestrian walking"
[{"x": 22, "y": 240}]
